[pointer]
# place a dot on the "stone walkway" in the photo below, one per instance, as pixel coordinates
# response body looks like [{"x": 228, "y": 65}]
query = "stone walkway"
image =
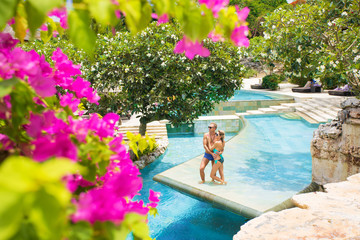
[{"x": 334, "y": 214}]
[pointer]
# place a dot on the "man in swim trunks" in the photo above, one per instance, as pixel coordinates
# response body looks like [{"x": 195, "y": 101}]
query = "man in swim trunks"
[{"x": 208, "y": 141}]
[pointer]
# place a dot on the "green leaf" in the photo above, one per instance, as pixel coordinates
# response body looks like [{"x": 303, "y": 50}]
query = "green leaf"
[
  {"x": 79, "y": 30},
  {"x": 6, "y": 86},
  {"x": 102, "y": 11},
  {"x": 16, "y": 172},
  {"x": 134, "y": 148},
  {"x": 7, "y": 10},
  {"x": 80, "y": 231},
  {"x": 10, "y": 212},
  {"x": 48, "y": 216},
  {"x": 137, "y": 224},
  {"x": 55, "y": 169},
  {"x": 21, "y": 23},
  {"x": 138, "y": 14},
  {"x": 35, "y": 17},
  {"x": 143, "y": 145},
  {"x": 21, "y": 103}
]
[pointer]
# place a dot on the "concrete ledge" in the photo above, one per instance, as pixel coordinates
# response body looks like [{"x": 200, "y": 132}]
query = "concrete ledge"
[{"x": 208, "y": 197}]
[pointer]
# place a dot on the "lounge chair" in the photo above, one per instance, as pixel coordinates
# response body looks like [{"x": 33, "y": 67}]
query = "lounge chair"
[
  {"x": 257, "y": 86},
  {"x": 309, "y": 87},
  {"x": 345, "y": 91}
]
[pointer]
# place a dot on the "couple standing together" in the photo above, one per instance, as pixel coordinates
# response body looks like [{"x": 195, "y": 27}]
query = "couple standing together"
[{"x": 214, "y": 144}]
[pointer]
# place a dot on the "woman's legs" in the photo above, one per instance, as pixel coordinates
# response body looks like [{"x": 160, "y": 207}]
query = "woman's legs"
[
  {"x": 214, "y": 170},
  {"x": 221, "y": 171}
]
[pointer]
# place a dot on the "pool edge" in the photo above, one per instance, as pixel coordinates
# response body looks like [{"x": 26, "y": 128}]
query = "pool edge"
[{"x": 208, "y": 197}]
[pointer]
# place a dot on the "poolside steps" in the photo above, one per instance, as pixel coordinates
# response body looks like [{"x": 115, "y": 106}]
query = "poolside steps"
[
  {"x": 159, "y": 130},
  {"x": 315, "y": 110}
]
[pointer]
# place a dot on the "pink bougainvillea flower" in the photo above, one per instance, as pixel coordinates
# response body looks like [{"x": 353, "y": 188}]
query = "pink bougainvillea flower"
[
  {"x": 243, "y": 13},
  {"x": 43, "y": 86},
  {"x": 239, "y": 36},
  {"x": 191, "y": 48},
  {"x": 118, "y": 13},
  {"x": 215, "y": 5},
  {"x": 108, "y": 202},
  {"x": 5, "y": 107},
  {"x": 61, "y": 14},
  {"x": 69, "y": 100},
  {"x": 58, "y": 146},
  {"x": 5, "y": 142},
  {"x": 115, "y": 2},
  {"x": 6, "y": 41},
  {"x": 215, "y": 37},
  {"x": 154, "y": 196},
  {"x": 11, "y": 21},
  {"x": 111, "y": 119},
  {"x": 82, "y": 89},
  {"x": 35, "y": 126},
  {"x": 164, "y": 18}
]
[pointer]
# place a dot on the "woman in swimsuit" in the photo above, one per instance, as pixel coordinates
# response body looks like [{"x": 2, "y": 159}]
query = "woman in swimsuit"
[{"x": 218, "y": 149}]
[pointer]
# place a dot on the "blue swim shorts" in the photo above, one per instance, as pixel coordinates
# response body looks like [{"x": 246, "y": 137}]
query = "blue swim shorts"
[{"x": 208, "y": 156}]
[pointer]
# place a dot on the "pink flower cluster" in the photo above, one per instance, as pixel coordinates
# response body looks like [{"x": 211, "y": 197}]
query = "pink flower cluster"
[
  {"x": 110, "y": 201},
  {"x": 164, "y": 18},
  {"x": 15, "y": 62},
  {"x": 238, "y": 36},
  {"x": 61, "y": 15},
  {"x": 54, "y": 135},
  {"x": 64, "y": 74}
]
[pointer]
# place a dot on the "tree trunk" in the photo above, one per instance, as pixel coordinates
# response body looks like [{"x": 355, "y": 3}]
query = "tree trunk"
[{"x": 142, "y": 127}]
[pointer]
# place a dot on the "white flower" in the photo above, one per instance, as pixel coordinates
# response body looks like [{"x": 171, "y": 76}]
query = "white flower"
[
  {"x": 299, "y": 48},
  {"x": 125, "y": 41},
  {"x": 266, "y": 36},
  {"x": 163, "y": 64},
  {"x": 187, "y": 68},
  {"x": 355, "y": 50},
  {"x": 356, "y": 58},
  {"x": 139, "y": 69},
  {"x": 149, "y": 54},
  {"x": 322, "y": 68},
  {"x": 273, "y": 27},
  {"x": 298, "y": 60},
  {"x": 92, "y": 68},
  {"x": 162, "y": 42},
  {"x": 198, "y": 73},
  {"x": 126, "y": 70},
  {"x": 163, "y": 28},
  {"x": 98, "y": 75},
  {"x": 344, "y": 14},
  {"x": 329, "y": 24}
]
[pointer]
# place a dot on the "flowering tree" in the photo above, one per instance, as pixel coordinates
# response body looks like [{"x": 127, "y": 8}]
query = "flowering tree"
[
  {"x": 318, "y": 40},
  {"x": 62, "y": 176},
  {"x": 158, "y": 84}
]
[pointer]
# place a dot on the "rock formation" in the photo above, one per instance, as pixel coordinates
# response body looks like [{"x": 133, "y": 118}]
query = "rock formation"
[
  {"x": 334, "y": 214},
  {"x": 335, "y": 147}
]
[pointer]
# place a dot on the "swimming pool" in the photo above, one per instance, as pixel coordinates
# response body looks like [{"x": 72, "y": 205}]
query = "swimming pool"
[
  {"x": 275, "y": 154},
  {"x": 182, "y": 217},
  {"x": 244, "y": 100},
  {"x": 250, "y": 95}
]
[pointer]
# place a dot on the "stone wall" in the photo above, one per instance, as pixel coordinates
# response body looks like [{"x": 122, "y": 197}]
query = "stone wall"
[{"x": 335, "y": 147}]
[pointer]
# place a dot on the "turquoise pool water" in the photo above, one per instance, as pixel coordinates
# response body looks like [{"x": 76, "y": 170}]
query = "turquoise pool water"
[
  {"x": 182, "y": 217},
  {"x": 274, "y": 152},
  {"x": 249, "y": 95}
]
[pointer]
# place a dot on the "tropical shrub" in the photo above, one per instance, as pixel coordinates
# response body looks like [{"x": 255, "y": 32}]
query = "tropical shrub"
[
  {"x": 271, "y": 81},
  {"x": 141, "y": 145}
]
